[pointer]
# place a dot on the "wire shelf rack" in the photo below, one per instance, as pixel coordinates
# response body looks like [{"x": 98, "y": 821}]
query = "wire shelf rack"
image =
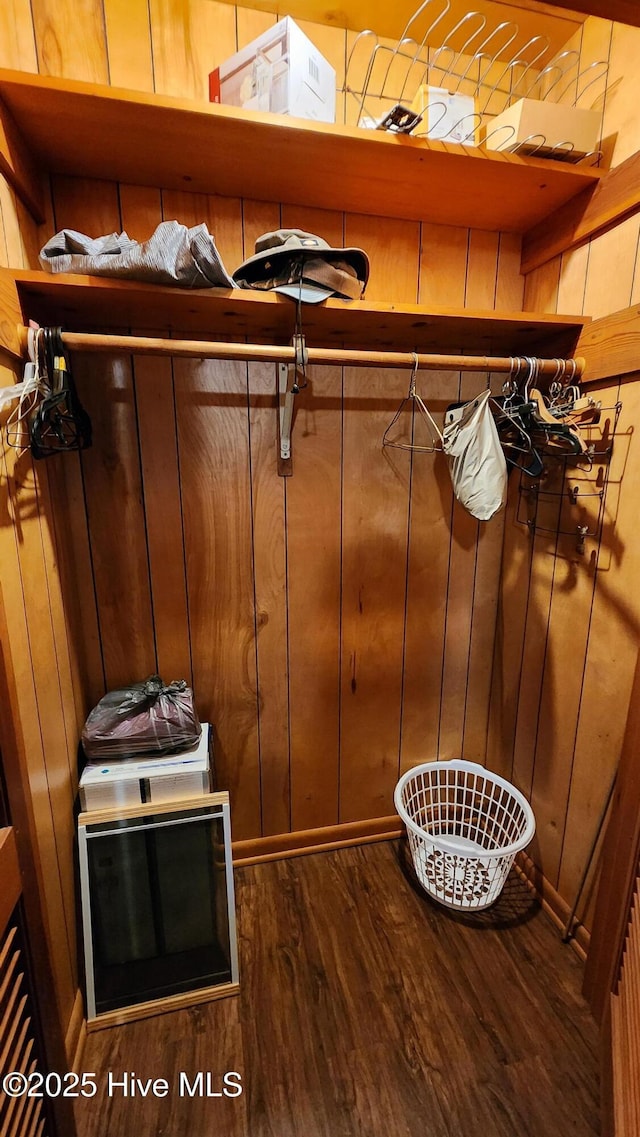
[{"x": 475, "y": 72}]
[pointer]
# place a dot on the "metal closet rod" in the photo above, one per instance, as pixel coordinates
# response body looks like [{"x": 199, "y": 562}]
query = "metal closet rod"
[{"x": 268, "y": 353}]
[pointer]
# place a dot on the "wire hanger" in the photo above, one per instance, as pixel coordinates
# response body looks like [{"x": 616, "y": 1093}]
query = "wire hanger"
[
  {"x": 33, "y": 389},
  {"x": 412, "y": 396}
]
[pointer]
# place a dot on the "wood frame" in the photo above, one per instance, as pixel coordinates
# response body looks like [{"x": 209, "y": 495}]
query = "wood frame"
[
  {"x": 610, "y": 345},
  {"x": 82, "y": 302},
  {"x": 620, "y": 854},
  {"x": 9, "y": 875},
  {"x": 597, "y": 209},
  {"x": 621, "y": 11},
  {"x": 142, "y": 139},
  {"x": 150, "y": 1007}
]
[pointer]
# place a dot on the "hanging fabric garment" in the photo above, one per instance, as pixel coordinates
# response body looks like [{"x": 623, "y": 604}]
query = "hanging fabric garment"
[
  {"x": 476, "y": 461},
  {"x": 172, "y": 255}
]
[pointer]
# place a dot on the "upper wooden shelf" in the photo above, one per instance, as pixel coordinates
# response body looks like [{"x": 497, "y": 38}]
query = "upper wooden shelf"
[
  {"x": 102, "y": 132},
  {"x": 83, "y": 303}
]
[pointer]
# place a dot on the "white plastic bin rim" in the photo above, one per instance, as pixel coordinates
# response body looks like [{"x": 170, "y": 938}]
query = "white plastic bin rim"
[{"x": 481, "y": 771}]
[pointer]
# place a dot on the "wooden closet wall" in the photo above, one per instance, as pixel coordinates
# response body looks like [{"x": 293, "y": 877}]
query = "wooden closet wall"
[{"x": 338, "y": 626}]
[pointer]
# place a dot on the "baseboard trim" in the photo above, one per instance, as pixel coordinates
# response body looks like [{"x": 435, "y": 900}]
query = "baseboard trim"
[
  {"x": 552, "y": 903},
  {"x": 323, "y": 840}
]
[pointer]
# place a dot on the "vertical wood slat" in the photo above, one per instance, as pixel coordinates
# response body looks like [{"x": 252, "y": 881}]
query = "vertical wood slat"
[
  {"x": 188, "y": 41},
  {"x": 212, "y": 414},
  {"x": 70, "y": 39},
  {"x": 111, "y": 471},
  {"x": 141, "y": 212},
  {"x": 268, "y": 499},
  {"x": 314, "y": 538},
  {"x": 128, "y": 35},
  {"x": 374, "y": 536}
]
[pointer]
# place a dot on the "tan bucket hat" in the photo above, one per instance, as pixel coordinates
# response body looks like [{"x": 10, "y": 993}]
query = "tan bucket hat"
[{"x": 304, "y": 266}]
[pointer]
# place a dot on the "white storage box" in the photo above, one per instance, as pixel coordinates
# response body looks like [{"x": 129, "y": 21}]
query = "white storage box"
[
  {"x": 280, "y": 71},
  {"x": 105, "y": 785},
  {"x": 445, "y": 116},
  {"x": 533, "y": 126}
]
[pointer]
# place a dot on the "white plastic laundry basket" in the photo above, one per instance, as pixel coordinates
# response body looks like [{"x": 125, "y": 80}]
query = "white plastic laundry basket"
[{"x": 465, "y": 826}]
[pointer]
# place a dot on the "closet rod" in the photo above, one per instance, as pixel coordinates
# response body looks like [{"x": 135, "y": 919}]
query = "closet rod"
[{"x": 268, "y": 353}]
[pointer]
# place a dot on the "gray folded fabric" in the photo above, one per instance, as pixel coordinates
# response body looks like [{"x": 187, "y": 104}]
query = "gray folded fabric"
[{"x": 172, "y": 255}]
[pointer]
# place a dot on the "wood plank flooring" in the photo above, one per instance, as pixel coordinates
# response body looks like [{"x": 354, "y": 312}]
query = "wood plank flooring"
[{"x": 368, "y": 1011}]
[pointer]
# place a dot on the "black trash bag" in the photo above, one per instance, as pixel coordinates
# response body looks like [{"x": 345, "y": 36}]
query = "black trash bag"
[{"x": 142, "y": 719}]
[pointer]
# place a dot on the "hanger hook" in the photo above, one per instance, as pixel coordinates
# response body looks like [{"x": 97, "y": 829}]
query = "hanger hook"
[{"x": 414, "y": 372}]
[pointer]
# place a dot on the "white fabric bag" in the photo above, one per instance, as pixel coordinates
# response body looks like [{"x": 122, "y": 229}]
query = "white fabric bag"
[{"x": 476, "y": 461}]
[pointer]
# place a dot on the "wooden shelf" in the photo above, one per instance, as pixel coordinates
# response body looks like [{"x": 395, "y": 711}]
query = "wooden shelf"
[
  {"x": 95, "y": 131},
  {"x": 82, "y": 303}
]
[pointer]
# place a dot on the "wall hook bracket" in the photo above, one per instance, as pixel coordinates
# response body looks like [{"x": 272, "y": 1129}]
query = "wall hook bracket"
[{"x": 292, "y": 378}]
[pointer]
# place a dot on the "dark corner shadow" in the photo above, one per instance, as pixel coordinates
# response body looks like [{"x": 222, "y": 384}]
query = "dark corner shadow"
[{"x": 515, "y": 906}]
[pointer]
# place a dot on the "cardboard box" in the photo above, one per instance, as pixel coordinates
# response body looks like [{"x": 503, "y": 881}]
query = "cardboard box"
[
  {"x": 446, "y": 117},
  {"x": 105, "y": 785},
  {"x": 535, "y": 126},
  {"x": 280, "y": 71}
]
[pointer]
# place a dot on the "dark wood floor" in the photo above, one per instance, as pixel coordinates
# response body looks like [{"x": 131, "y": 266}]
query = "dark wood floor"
[{"x": 368, "y": 1011}]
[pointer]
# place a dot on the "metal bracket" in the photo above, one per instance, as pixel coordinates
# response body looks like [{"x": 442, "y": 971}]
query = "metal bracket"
[{"x": 291, "y": 379}]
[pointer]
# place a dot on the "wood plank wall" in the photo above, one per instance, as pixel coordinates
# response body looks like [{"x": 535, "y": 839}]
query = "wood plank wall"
[
  {"x": 569, "y": 627},
  {"x": 338, "y": 626}
]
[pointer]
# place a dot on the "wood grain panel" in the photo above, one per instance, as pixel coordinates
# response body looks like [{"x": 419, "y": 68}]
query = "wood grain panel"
[
  {"x": 541, "y": 288},
  {"x": 482, "y": 634},
  {"x": 612, "y": 262},
  {"x": 25, "y": 717},
  {"x": 620, "y": 117},
  {"x": 314, "y": 574},
  {"x": 251, "y": 23},
  {"x": 428, "y": 571},
  {"x": 163, "y": 516},
  {"x": 10, "y": 316},
  {"x": 70, "y": 39},
  {"x": 533, "y": 658},
  {"x": 222, "y": 215},
  {"x": 112, "y": 480},
  {"x": 392, "y": 247},
  {"x": 68, "y": 521},
  {"x": 465, "y": 531},
  {"x": 111, "y": 472},
  {"x": 155, "y": 413},
  {"x": 17, "y": 165},
  {"x": 509, "y": 291},
  {"x": 443, "y": 264},
  {"x": 188, "y": 41},
  {"x": 50, "y": 671},
  {"x": 258, "y": 217},
  {"x": 327, "y": 223},
  {"x": 482, "y": 269},
  {"x": 573, "y": 280},
  {"x": 613, "y": 639},
  {"x": 268, "y": 503},
  {"x": 17, "y": 41},
  {"x": 212, "y": 415},
  {"x": 128, "y": 35},
  {"x": 374, "y": 555},
  {"x": 560, "y": 695},
  {"x": 610, "y": 345}
]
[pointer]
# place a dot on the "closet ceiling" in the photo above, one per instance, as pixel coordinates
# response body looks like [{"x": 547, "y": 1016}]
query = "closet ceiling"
[{"x": 390, "y": 19}]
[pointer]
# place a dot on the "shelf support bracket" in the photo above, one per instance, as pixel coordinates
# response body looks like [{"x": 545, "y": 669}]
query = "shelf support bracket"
[{"x": 291, "y": 379}]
